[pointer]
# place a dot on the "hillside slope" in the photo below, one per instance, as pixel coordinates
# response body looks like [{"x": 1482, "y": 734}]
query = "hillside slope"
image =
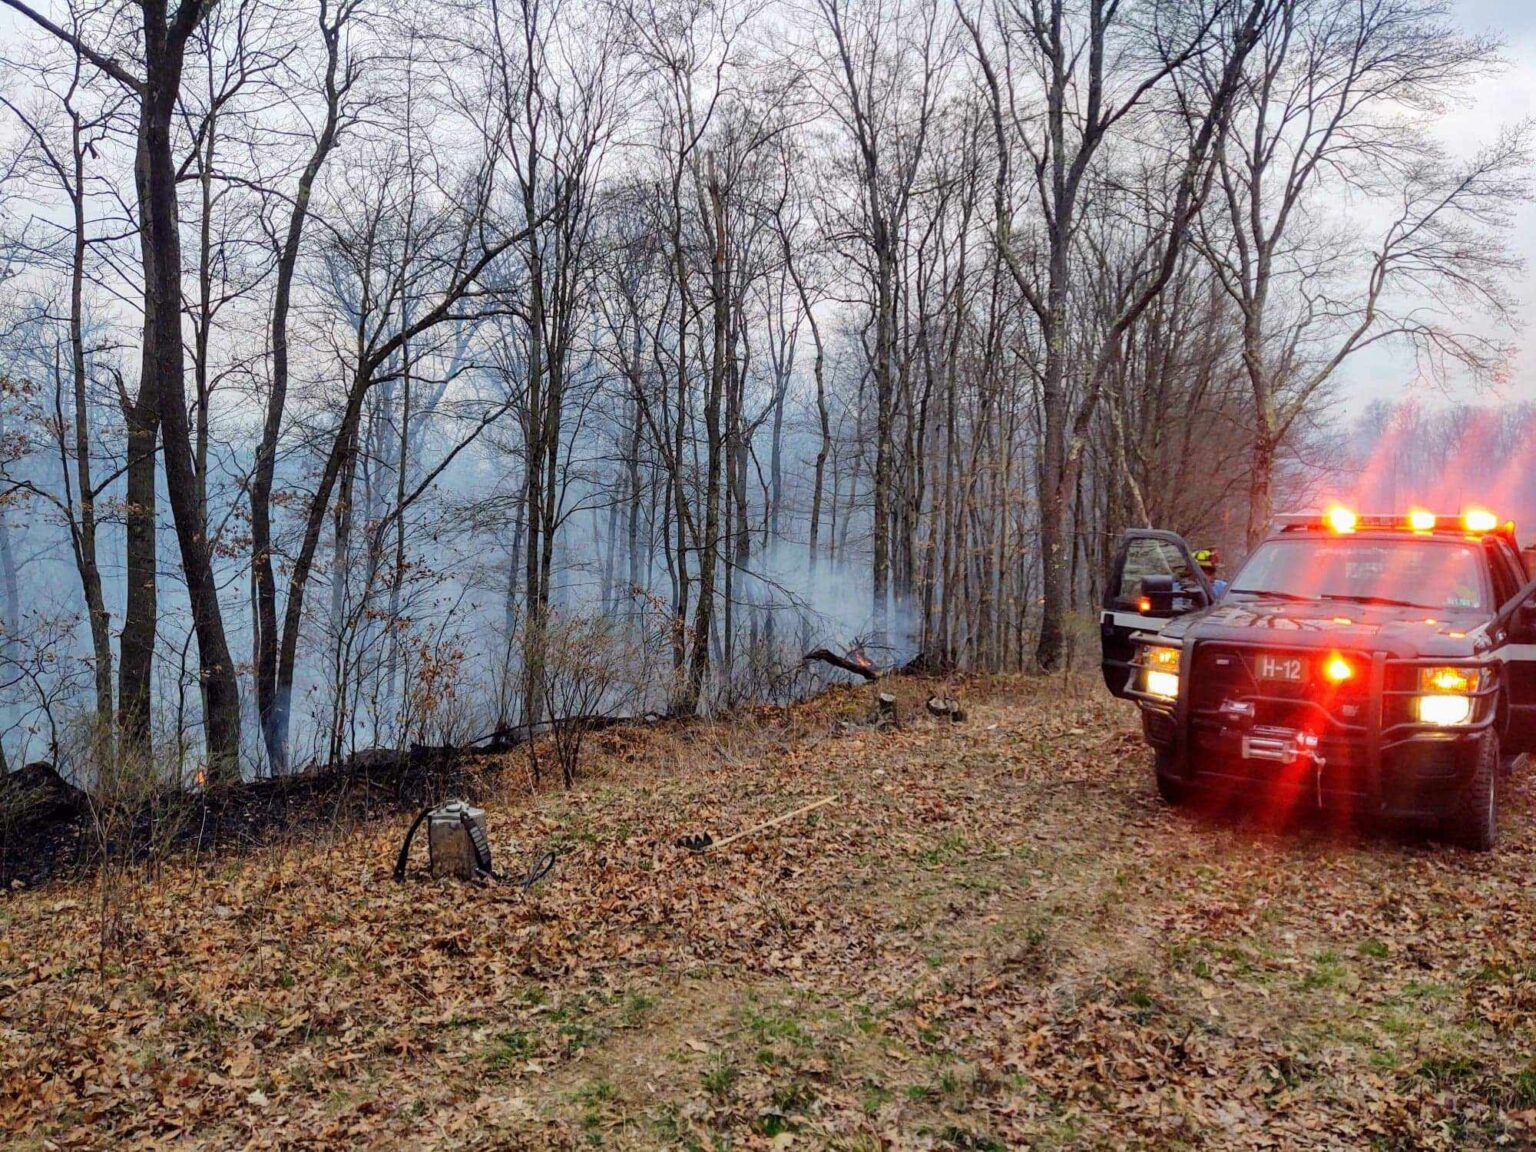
[{"x": 996, "y": 936}]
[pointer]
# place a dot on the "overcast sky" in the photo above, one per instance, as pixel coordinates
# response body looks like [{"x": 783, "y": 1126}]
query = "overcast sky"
[
  {"x": 1499, "y": 101},
  {"x": 1493, "y": 103}
]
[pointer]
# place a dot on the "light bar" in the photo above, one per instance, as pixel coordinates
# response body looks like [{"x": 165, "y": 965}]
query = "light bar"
[{"x": 1341, "y": 520}]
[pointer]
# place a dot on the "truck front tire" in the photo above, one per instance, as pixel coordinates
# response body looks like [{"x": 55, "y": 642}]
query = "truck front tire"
[
  {"x": 1171, "y": 789},
  {"x": 1474, "y": 823}
]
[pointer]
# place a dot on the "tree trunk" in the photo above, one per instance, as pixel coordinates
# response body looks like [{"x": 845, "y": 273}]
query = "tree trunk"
[
  {"x": 136, "y": 643},
  {"x": 86, "y": 554},
  {"x": 884, "y": 419},
  {"x": 535, "y": 591},
  {"x": 1050, "y": 648},
  {"x": 1260, "y": 489},
  {"x": 160, "y": 244},
  {"x": 10, "y": 588},
  {"x": 709, "y": 544},
  {"x": 273, "y": 706}
]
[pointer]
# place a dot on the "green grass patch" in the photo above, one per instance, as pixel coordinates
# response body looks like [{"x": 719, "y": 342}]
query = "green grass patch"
[
  {"x": 595, "y": 1099},
  {"x": 635, "y": 1008},
  {"x": 512, "y": 1049},
  {"x": 949, "y": 848},
  {"x": 720, "y": 1077},
  {"x": 1328, "y": 971},
  {"x": 767, "y": 1027},
  {"x": 874, "y": 1097},
  {"x": 1522, "y": 1090},
  {"x": 1449, "y": 1072},
  {"x": 953, "y": 1136}
]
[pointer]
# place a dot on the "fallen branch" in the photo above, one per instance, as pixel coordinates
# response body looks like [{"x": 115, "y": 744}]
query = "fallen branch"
[
  {"x": 756, "y": 828},
  {"x": 827, "y": 656}
]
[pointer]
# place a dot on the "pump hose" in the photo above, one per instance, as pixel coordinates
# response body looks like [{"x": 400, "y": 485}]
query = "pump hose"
[
  {"x": 536, "y": 872},
  {"x": 539, "y": 870},
  {"x": 405, "y": 848}
]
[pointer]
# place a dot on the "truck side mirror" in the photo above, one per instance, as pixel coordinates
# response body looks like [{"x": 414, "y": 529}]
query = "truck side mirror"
[{"x": 1165, "y": 596}]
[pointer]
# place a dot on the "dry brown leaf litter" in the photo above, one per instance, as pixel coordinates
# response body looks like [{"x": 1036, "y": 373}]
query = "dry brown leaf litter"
[{"x": 997, "y": 938}]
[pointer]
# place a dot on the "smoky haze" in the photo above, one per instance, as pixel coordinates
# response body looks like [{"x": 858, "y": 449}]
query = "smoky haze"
[{"x": 610, "y": 355}]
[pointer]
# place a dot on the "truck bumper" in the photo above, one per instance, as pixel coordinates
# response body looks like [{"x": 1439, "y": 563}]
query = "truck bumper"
[
  {"x": 1375, "y": 760},
  {"x": 1418, "y": 778}
]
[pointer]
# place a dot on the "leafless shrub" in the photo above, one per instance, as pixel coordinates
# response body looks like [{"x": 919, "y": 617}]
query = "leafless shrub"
[
  {"x": 588, "y": 676},
  {"x": 437, "y": 711},
  {"x": 769, "y": 668},
  {"x": 136, "y": 809}
]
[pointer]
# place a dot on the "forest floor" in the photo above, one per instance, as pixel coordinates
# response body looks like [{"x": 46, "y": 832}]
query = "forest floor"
[{"x": 996, "y": 937}]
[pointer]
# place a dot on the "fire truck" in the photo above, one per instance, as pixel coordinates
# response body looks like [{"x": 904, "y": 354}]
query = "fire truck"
[{"x": 1376, "y": 664}]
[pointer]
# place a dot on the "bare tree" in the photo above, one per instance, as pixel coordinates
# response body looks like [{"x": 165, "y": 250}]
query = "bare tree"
[
  {"x": 64, "y": 164},
  {"x": 161, "y": 400},
  {"x": 885, "y": 78},
  {"x": 338, "y": 79},
  {"x": 1084, "y": 103},
  {"x": 1335, "y": 97}
]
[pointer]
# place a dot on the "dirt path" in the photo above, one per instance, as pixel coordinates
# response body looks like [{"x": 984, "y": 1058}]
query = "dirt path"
[{"x": 996, "y": 937}]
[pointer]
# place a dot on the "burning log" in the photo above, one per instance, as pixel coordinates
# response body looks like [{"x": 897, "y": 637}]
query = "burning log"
[{"x": 855, "y": 662}]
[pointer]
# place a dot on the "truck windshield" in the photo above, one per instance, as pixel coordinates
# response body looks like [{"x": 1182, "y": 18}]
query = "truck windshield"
[{"x": 1414, "y": 573}]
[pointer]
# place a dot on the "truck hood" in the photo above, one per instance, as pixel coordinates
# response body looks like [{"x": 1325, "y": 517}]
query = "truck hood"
[{"x": 1337, "y": 624}]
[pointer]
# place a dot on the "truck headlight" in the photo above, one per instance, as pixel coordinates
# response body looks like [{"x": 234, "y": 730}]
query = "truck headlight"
[
  {"x": 1160, "y": 672},
  {"x": 1446, "y": 711},
  {"x": 1449, "y": 691}
]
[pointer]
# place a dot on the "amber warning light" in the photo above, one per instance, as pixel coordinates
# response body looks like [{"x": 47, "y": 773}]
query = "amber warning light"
[
  {"x": 1343, "y": 521},
  {"x": 1478, "y": 520}
]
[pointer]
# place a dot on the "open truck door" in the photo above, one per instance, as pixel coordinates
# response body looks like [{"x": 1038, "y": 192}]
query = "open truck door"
[
  {"x": 1514, "y": 628},
  {"x": 1154, "y": 579}
]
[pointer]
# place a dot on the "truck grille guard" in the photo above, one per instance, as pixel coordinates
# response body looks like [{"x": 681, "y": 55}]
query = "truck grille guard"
[
  {"x": 1483, "y": 716},
  {"x": 1372, "y": 731}
]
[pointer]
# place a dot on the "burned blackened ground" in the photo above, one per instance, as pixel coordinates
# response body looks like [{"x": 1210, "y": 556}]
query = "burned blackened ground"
[
  {"x": 50, "y": 829},
  {"x": 53, "y": 830},
  {"x": 996, "y": 936}
]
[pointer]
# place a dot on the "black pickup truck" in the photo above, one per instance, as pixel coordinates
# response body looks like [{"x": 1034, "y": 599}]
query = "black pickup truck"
[{"x": 1377, "y": 664}]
